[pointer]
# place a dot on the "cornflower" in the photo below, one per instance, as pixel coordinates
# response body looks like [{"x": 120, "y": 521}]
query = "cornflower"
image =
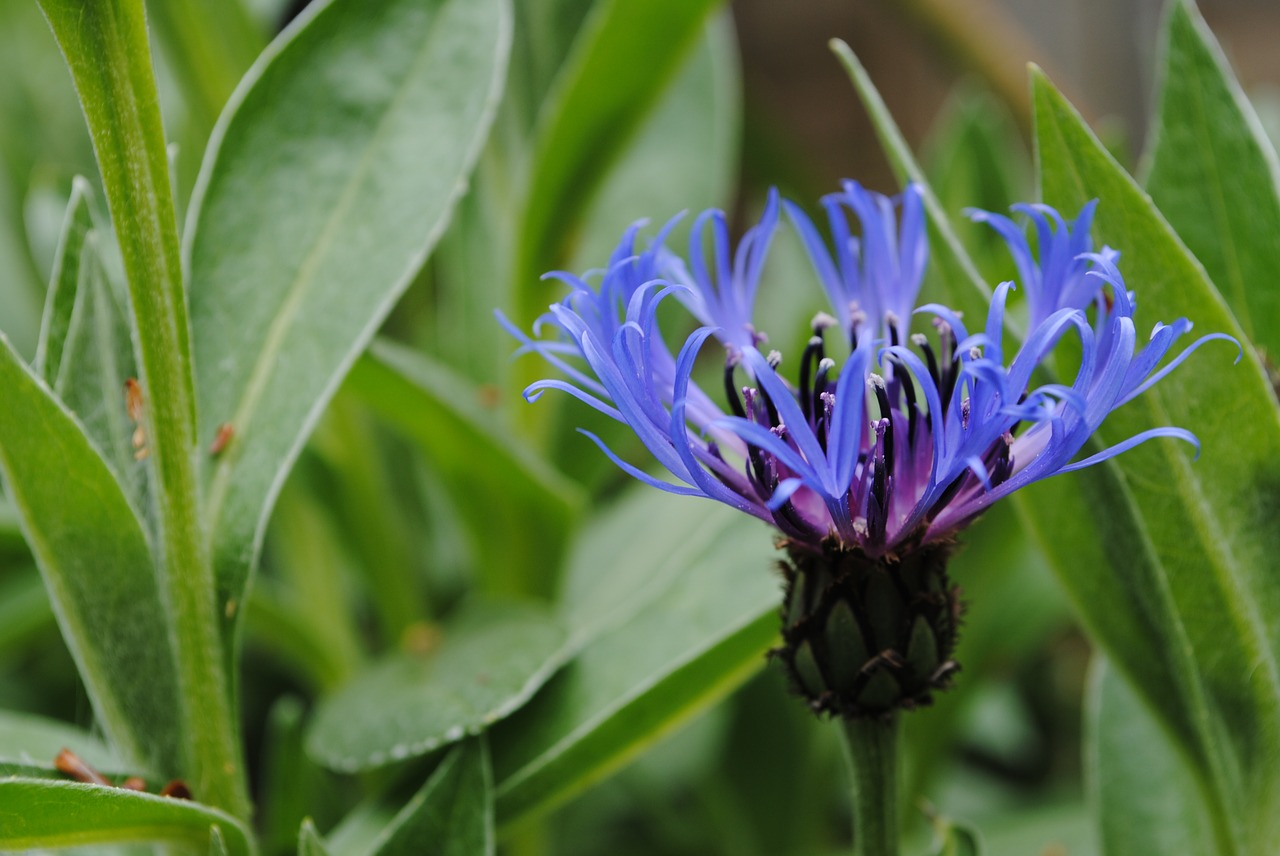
[{"x": 868, "y": 470}]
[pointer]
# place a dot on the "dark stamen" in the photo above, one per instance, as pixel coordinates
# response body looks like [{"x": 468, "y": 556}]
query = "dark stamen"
[
  {"x": 903, "y": 375},
  {"x": 813, "y": 355},
  {"x": 1000, "y": 461},
  {"x": 731, "y": 390},
  {"x": 922, "y": 344},
  {"x": 880, "y": 472},
  {"x": 948, "y": 495},
  {"x": 950, "y": 361},
  {"x": 886, "y": 414}
]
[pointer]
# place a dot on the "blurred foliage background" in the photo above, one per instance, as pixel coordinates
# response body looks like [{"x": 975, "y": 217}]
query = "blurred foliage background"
[{"x": 371, "y": 541}]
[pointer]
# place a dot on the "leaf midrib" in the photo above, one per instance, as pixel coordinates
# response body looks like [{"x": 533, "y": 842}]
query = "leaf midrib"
[{"x": 282, "y": 325}]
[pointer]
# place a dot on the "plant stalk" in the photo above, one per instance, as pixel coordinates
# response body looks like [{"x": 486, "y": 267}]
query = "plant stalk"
[
  {"x": 872, "y": 749},
  {"x": 106, "y": 47}
]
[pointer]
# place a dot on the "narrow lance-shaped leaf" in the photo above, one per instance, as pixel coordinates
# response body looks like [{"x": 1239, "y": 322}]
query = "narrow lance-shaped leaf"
[
  {"x": 97, "y": 360},
  {"x": 1214, "y": 175},
  {"x": 41, "y": 813},
  {"x": 329, "y": 178},
  {"x": 64, "y": 281},
  {"x": 97, "y": 567},
  {"x": 1211, "y": 523}
]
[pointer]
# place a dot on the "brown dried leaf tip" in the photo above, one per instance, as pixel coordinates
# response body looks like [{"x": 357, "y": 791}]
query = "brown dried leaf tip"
[
  {"x": 133, "y": 406},
  {"x": 70, "y": 764},
  {"x": 220, "y": 440}
]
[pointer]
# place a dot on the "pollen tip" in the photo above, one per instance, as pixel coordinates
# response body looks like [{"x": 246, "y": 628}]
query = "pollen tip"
[{"x": 822, "y": 321}]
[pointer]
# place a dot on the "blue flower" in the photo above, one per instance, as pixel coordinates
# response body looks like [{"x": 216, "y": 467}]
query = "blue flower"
[
  {"x": 870, "y": 468},
  {"x": 915, "y": 435}
]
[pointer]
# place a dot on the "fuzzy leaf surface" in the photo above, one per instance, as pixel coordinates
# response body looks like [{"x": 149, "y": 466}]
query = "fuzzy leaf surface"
[
  {"x": 97, "y": 566},
  {"x": 487, "y": 662},
  {"x": 41, "y": 813},
  {"x": 1210, "y": 524},
  {"x": 64, "y": 281},
  {"x": 328, "y": 180},
  {"x": 1214, "y": 175}
]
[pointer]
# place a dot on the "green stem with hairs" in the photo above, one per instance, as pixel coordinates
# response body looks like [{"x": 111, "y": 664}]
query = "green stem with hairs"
[
  {"x": 872, "y": 749},
  {"x": 106, "y": 47}
]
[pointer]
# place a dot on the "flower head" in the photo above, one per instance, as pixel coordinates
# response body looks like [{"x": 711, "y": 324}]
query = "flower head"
[{"x": 870, "y": 467}]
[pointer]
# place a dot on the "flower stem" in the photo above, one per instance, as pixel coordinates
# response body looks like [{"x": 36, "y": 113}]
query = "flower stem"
[
  {"x": 106, "y": 47},
  {"x": 871, "y": 748}
]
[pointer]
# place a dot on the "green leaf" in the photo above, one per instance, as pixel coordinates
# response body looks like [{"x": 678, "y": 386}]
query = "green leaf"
[
  {"x": 328, "y": 180},
  {"x": 363, "y": 485},
  {"x": 29, "y": 744},
  {"x": 1210, "y": 536},
  {"x": 452, "y": 814},
  {"x": 1144, "y": 797},
  {"x": 497, "y": 486},
  {"x": 64, "y": 282},
  {"x": 1214, "y": 174},
  {"x": 671, "y": 604},
  {"x": 45, "y": 813},
  {"x": 96, "y": 359},
  {"x": 97, "y": 567},
  {"x": 585, "y": 125},
  {"x": 1090, "y": 532},
  {"x": 489, "y": 659}
]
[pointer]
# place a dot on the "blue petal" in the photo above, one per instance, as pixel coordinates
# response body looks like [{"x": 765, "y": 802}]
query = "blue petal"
[
  {"x": 635, "y": 472},
  {"x": 1135, "y": 440}
]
